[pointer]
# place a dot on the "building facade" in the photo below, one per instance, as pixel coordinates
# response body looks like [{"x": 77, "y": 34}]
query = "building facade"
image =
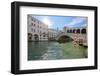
[{"x": 37, "y": 30}]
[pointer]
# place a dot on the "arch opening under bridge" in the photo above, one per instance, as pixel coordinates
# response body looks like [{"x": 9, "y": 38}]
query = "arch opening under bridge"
[{"x": 63, "y": 37}]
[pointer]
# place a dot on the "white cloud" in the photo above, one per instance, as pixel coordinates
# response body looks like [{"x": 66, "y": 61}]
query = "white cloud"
[
  {"x": 84, "y": 25},
  {"x": 76, "y": 21}
]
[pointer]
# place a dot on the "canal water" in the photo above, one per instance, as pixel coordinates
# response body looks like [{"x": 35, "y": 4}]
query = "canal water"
[{"x": 54, "y": 50}]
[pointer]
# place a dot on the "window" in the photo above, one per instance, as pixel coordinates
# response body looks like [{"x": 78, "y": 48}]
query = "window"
[
  {"x": 31, "y": 29},
  {"x": 74, "y": 31},
  {"x": 43, "y": 35},
  {"x": 34, "y": 30},
  {"x": 38, "y": 31},
  {"x": 34, "y": 24},
  {"x": 70, "y": 31}
]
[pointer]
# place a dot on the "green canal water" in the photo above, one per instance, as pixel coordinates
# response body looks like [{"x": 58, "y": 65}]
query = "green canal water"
[{"x": 54, "y": 50}]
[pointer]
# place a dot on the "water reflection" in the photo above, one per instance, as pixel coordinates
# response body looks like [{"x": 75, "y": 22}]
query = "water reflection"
[{"x": 54, "y": 50}]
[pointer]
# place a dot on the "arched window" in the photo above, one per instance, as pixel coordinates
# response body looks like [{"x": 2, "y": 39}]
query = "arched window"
[
  {"x": 44, "y": 35},
  {"x": 74, "y": 31},
  {"x": 71, "y": 31},
  {"x": 34, "y": 24},
  {"x": 36, "y": 37},
  {"x": 83, "y": 31},
  {"x": 78, "y": 31},
  {"x": 29, "y": 36}
]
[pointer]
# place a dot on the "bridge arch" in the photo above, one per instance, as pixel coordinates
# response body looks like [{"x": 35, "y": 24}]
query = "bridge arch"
[
  {"x": 29, "y": 36},
  {"x": 63, "y": 36},
  {"x": 36, "y": 37},
  {"x": 83, "y": 31}
]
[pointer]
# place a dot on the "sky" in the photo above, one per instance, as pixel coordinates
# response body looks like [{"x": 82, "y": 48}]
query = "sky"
[{"x": 59, "y": 22}]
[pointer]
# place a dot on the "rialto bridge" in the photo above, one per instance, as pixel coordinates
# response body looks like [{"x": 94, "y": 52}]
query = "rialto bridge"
[{"x": 78, "y": 35}]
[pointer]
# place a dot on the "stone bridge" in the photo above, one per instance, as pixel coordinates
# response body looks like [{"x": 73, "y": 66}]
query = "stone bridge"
[
  {"x": 63, "y": 34},
  {"x": 80, "y": 38},
  {"x": 71, "y": 35}
]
